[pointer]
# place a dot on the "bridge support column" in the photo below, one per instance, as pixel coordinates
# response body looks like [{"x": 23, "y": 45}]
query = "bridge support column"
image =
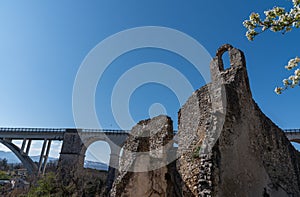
[
  {"x": 113, "y": 167},
  {"x": 71, "y": 160},
  {"x": 23, "y": 145},
  {"x": 28, "y": 147},
  {"x": 44, "y": 156}
]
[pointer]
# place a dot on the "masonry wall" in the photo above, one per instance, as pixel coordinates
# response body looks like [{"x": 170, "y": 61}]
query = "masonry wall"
[
  {"x": 249, "y": 155},
  {"x": 143, "y": 169}
]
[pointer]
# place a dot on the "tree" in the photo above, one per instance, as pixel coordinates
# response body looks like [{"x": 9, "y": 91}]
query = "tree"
[
  {"x": 4, "y": 165},
  {"x": 278, "y": 20},
  {"x": 4, "y": 175},
  {"x": 46, "y": 186}
]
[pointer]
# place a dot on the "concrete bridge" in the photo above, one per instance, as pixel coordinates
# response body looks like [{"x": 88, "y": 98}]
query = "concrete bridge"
[
  {"x": 293, "y": 135},
  {"x": 84, "y": 137},
  {"x": 75, "y": 143}
]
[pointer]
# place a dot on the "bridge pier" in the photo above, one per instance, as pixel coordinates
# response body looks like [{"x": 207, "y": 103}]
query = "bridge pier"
[
  {"x": 71, "y": 158},
  {"x": 113, "y": 164}
]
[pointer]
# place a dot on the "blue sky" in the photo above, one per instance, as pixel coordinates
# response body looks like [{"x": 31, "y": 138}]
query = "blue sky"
[{"x": 42, "y": 45}]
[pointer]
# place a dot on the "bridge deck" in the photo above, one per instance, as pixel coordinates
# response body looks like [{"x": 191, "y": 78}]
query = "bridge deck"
[
  {"x": 58, "y": 133},
  {"x": 292, "y": 131},
  {"x": 49, "y": 133}
]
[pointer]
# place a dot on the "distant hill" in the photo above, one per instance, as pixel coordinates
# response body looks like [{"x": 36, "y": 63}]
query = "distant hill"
[
  {"x": 95, "y": 165},
  {"x": 11, "y": 158},
  {"x": 37, "y": 158}
]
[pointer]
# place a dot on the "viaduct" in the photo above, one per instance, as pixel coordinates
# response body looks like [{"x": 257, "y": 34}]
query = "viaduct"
[{"x": 75, "y": 142}]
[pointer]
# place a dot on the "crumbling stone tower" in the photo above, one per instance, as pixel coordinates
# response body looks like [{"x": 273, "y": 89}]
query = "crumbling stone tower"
[{"x": 227, "y": 147}]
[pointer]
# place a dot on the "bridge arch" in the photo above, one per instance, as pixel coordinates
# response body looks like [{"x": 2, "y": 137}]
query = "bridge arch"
[
  {"x": 115, "y": 140},
  {"x": 99, "y": 151},
  {"x": 293, "y": 135},
  {"x": 296, "y": 140},
  {"x": 115, "y": 149},
  {"x": 25, "y": 159}
]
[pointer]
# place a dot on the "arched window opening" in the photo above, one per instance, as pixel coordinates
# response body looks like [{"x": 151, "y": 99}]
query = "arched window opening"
[
  {"x": 97, "y": 156},
  {"x": 226, "y": 60}
]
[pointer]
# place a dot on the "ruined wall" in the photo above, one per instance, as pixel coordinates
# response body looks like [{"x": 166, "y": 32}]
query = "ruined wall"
[
  {"x": 249, "y": 155},
  {"x": 193, "y": 120},
  {"x": 143, "y": 168},
  {"x": 226, "y": 146}
]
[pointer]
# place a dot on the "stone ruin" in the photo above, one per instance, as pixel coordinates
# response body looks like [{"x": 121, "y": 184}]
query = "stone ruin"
[
  {"x": 144, "y": 160},
  {"x": 226, "y": 146}
]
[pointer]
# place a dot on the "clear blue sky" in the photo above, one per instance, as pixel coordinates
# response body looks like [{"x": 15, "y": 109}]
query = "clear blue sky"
[{"x": 43, "y": 43}]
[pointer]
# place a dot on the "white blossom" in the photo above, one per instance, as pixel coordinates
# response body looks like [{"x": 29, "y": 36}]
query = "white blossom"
[
  {"x": 277, "y": 19},
  {"x": 297, "y": 72},
  {"x": 285, "y": 82},
  {"x": 278, "y": 90}
]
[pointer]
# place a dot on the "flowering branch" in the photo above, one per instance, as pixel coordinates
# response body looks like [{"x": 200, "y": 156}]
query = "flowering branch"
[{"x": 277, "y": 20}]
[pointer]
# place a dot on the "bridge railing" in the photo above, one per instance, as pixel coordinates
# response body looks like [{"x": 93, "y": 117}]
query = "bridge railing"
[
  {"x": 106, "y": 130},
  {"x": 32, "y": 130},
  {"x": 8, "y": 129},
  {"x": 292, "y": 131}
]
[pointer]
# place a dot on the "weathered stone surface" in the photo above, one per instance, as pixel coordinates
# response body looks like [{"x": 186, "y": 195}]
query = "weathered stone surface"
[
  {"x": 71, "y": 159},
  {"x": 251, "y": 156},
  {"x": 143, "y": 168},
  {"x": 227, "y": 147}
]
